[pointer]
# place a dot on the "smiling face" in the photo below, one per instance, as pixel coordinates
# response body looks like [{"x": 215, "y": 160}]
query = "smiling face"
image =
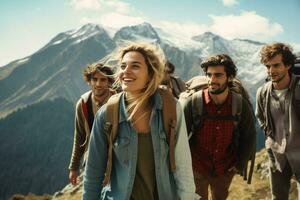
[
  {"x": 217, "y": 79},
  {"x": 276, "y": 69},
  {"x": 134, "y": 75},
  {"x": 99, "y": 84}
]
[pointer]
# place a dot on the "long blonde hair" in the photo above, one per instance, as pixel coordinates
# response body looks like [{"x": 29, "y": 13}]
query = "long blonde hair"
[{"x": 155, "y": 61}]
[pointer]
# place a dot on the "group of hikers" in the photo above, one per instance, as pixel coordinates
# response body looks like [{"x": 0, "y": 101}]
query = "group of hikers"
[{"x": 144, "y": 134}]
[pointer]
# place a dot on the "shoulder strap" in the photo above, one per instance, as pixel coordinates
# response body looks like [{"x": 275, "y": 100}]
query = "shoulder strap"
[
  {"x": 180, "y": 84},
  {"x": 170, "y": 121},
  {"x": 237, "y": 103},
  {"x": 88, "y": 113},
  {"x": 197, "y": 110},
  {"x": 84, "y": 110},
  {"x": 297, "y": 89},
  {"x": 296, "y": 96},
  {"x": 111, "y": 129}
]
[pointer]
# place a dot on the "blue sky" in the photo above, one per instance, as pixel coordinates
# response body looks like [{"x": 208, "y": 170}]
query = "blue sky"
[{"x": 27, "y": 25}]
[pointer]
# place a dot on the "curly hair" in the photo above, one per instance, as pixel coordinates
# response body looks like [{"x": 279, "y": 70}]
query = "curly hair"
[
  {"x": 269, "y": 51},
  {"x": 221, "y": 59},
  {"x": 91, "y": 69}
]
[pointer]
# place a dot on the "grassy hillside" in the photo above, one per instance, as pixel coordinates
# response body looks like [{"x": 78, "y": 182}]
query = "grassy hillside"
[{"x": 36, "y": 144}]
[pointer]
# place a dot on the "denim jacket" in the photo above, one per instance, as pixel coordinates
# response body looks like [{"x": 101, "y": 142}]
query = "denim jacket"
[{"x": 170, "y": 186}]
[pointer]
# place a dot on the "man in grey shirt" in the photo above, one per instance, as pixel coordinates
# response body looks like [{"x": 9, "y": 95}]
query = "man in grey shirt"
[{"x": 277, "y": 110}]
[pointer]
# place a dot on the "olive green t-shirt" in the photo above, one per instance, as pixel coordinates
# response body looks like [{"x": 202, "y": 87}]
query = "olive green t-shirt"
[{"x": 144, "y": 187}]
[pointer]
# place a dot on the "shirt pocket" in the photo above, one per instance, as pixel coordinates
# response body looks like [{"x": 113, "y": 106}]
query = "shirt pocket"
[{"x": 121, "y": 149}]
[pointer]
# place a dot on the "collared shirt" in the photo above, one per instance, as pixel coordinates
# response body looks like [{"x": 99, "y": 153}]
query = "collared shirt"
[{"x": 210, "y": 153}]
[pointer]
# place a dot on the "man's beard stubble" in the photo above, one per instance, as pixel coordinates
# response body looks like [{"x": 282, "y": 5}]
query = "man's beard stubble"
[{"x": 220, "y": 90}]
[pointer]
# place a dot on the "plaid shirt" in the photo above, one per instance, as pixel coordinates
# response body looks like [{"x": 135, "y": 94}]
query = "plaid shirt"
[{"x": 210, "y": 152}]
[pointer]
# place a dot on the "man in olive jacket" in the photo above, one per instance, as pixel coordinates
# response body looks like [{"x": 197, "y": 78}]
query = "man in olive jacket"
[{"x": 278, "y": 112}]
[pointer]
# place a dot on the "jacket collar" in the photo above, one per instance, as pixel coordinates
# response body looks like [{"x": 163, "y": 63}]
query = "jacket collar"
[
  {"x": 155, "y": 99},
  {"x": 86, "y": 96}
]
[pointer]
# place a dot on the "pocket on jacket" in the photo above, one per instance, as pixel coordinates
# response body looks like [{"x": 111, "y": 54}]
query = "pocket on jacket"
[{"x": 121, "y": 149}]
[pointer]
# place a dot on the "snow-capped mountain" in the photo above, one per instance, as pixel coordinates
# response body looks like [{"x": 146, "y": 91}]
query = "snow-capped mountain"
[
  {"x": 245, "y": 53},
  {"x": 55, "y": 70},
  {"x": 143, "y": 32}
]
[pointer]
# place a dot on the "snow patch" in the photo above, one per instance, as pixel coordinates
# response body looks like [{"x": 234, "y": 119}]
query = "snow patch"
[
  {"x": 57, "y": 42},
  {"x": 23, "y": 60}
]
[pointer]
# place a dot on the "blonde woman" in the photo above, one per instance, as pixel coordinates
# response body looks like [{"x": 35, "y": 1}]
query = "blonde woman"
[{"x": 140, "y": 163}]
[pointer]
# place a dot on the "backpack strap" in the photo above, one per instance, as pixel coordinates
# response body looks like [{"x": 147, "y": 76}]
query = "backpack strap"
[
  {"x": 84, "y": 110},
  {"x": 87, "y": 109},
  {"x": 110, "y": 130},
  {"x": 197, "y": 111},
  {"x": 237, "y": 103},
  {"x": 296, "y": 95},
  {"x": 112, "y": 120},
  {"x": 178, "y": 86},
  {"x": 170, "y": 121},
  {"x": 297, "y": 88}
]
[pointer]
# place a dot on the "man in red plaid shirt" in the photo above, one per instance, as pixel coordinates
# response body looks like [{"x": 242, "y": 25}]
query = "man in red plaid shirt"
[{"x": 220, "y": 146}]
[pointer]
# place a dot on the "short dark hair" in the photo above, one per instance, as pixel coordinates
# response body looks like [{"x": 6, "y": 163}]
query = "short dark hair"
[
  {"x": 91, "y": 69},
  {"x": 220, "y": 59},
  {"x": 269, "y": 51},
  {"x": 170, "y": 68}
]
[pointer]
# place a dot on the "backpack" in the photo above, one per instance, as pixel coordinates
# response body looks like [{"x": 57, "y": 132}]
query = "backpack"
[
  {"x": 194, "y": 89},
  {"x": 178, "y": 86},
  {"x": 112, "y": 121},
  {"x": 199, "y": 83}
]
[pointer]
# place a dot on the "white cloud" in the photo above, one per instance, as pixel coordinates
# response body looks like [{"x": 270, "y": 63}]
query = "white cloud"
[
  {"x": 183, "y": 30},
  {"x": 117, "y": 20},
  {"x": 229, "y": 2},
  {"x": 103, "y": 5},
  {"x": 296, "y": 46},
  {"x": 119, "y": 6},
  {"x": 86, "y": 20},
  {"x": 247, "y": 25},
  {"x": 115, "y": 14},
  {"x": 86, "y": 4},
  {"x": 112, "y": 13}
]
